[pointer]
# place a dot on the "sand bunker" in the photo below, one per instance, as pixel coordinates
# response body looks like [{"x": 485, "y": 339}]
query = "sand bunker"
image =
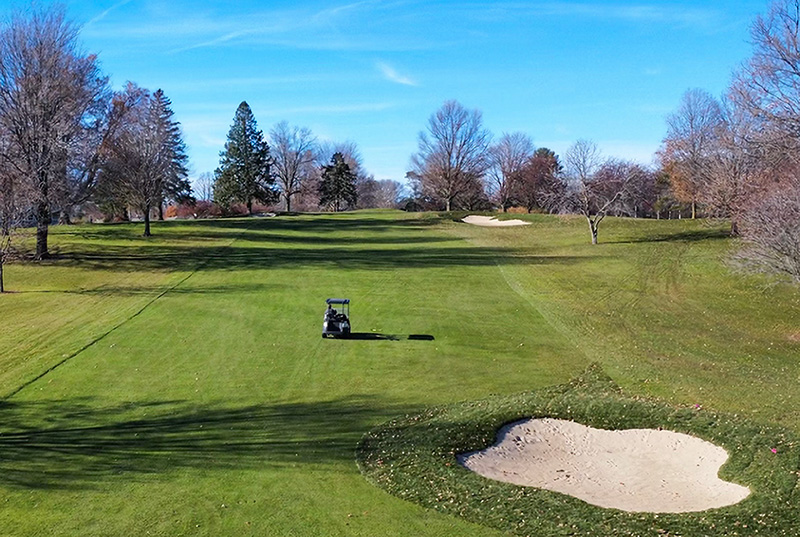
[
  {"x": 638, "y": 470},
  {"x": 491, "y": 221}
]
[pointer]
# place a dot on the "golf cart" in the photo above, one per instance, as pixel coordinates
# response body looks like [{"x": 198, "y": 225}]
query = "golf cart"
[{"x": 336, "y": 322}]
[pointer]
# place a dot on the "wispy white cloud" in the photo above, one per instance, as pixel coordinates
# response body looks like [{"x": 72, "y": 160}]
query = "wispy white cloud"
[
  {"x": 105, "y": 13},
  {"x": 349, "y": 27},
  {"x": 213, "y": 42},
  {"x": 391, "y": 74}
]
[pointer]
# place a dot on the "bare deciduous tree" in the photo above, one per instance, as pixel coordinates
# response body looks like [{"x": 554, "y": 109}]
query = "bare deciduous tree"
[
  {"x": 204, "y": 186},
  {"x": 49, "y": 93},
  {"x": 507, "y": 158},
  {"x": 690, "y": 142},
  {"x": 772, "y": 232},
  {"x": 292, "y": 151},
  {"x": 597, "y": 185},
  {"x": 454, "y": 154},
  {"x": 767, "y": 85}
]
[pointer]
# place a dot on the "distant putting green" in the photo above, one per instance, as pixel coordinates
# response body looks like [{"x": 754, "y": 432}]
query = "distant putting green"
[{"x": 180, "y": 386}]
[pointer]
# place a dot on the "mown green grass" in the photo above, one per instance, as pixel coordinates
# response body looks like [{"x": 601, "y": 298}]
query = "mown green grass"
[{"x": 207, "y": 403}]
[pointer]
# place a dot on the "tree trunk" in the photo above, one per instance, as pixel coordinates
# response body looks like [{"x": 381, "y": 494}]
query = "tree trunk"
[
  {"x": 593, "y": 230},
  {"x": 250, "y": 207},
  {"x": 288, "y": 203},
  {"x": 734, "y": 228},
  {"x": 2, "y": 286},
  {"x": 694, "y": 209},
  {"x": 63, "y": 218},
  {"x": 42, "y": 227},
  {"x": 448, "y": 205},
  {"x": 147, "y": 221},
  {"x": 161, "y": 211}
]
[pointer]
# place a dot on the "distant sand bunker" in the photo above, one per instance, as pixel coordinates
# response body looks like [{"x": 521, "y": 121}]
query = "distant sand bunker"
[
  {"x": 637, "y": 470},
  {"x": 491, "y": 221}
]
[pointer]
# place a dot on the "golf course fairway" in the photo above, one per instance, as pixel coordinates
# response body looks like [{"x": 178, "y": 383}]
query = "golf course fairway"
[{"x": 178, "y": 385}]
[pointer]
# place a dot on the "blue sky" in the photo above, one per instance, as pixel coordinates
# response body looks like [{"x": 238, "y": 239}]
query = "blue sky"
[{"x": 373, "y": 71}]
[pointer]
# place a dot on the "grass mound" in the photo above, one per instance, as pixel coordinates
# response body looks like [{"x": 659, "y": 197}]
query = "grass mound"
[{"x": 414, "y": 458}]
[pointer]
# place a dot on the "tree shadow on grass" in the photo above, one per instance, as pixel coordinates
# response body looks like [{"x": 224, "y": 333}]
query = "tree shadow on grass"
[
  {"x": 178, "y": 258},
  {"x": 248, "y": 228},
  {"x": 79, "y": 444},
  {"x": 150, "y": 290},
  {"x": 682, "y": 236}
]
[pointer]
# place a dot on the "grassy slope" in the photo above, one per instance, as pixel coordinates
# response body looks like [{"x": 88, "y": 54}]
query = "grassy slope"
[
  {"x": 657, "y": 304},
  {"x": 222, "y": 392}
]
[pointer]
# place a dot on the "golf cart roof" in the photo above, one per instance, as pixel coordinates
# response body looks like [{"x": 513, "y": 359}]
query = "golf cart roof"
[{"x": 338, "y": 301}]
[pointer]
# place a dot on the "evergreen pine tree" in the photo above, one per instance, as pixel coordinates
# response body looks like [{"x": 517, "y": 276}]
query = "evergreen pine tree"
[
  {"x": 244, "y": 174},
  {"x": 176, "y": 186},
  {"x": 337, "y": 189}
]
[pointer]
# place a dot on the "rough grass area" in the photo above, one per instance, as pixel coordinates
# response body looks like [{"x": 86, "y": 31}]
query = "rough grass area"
[{"x": 414, "y": 458}]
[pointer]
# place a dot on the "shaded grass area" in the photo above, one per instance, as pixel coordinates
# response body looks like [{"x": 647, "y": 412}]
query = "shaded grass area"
[
  {"x": 82, "y": 443},
  {"x": 414, "y": 458}
]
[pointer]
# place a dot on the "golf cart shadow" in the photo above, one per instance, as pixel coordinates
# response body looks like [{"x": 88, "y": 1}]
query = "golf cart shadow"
[{"x": 376, "y": 336}]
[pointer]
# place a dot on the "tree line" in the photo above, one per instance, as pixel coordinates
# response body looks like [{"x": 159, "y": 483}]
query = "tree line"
[
  {"x": 458, "y": 166},
  {"x": 738, "y": 156},
  {"x": 68, "y": 139},
  {"x": 291, "y": 168},
  {"x": 735, "y": 157}
]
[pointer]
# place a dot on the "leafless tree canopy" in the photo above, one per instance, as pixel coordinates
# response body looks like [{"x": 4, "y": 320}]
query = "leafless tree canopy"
[
  {"x": 598, "y": 185},
  {"x": 292, "y": 150},
  {"x": 768, "y": 84},
  {"x": 772, "y": 232},
  {"x": 50, "y": 94},
  {"x": 204, "y": 186},
  {"x": 453, "y": 154},
  {"x": 508, "y": 156}
]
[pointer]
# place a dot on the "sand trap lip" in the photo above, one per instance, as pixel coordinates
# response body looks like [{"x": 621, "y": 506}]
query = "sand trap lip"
[
  {"x": 491, "y": 221},
  {"x": 637, "y": 470}
]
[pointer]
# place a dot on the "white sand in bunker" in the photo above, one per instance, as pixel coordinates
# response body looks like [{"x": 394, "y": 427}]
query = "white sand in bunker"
[
  {"x": 637, "y": 470},
  {"x": 491, "y": 221}
]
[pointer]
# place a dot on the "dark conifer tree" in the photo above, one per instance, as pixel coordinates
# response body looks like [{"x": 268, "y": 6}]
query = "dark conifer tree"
[
  {"x": 337, "y": 189},
  {"x": 244, "y": 174},
  {"x": 176, "y": 185}
]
